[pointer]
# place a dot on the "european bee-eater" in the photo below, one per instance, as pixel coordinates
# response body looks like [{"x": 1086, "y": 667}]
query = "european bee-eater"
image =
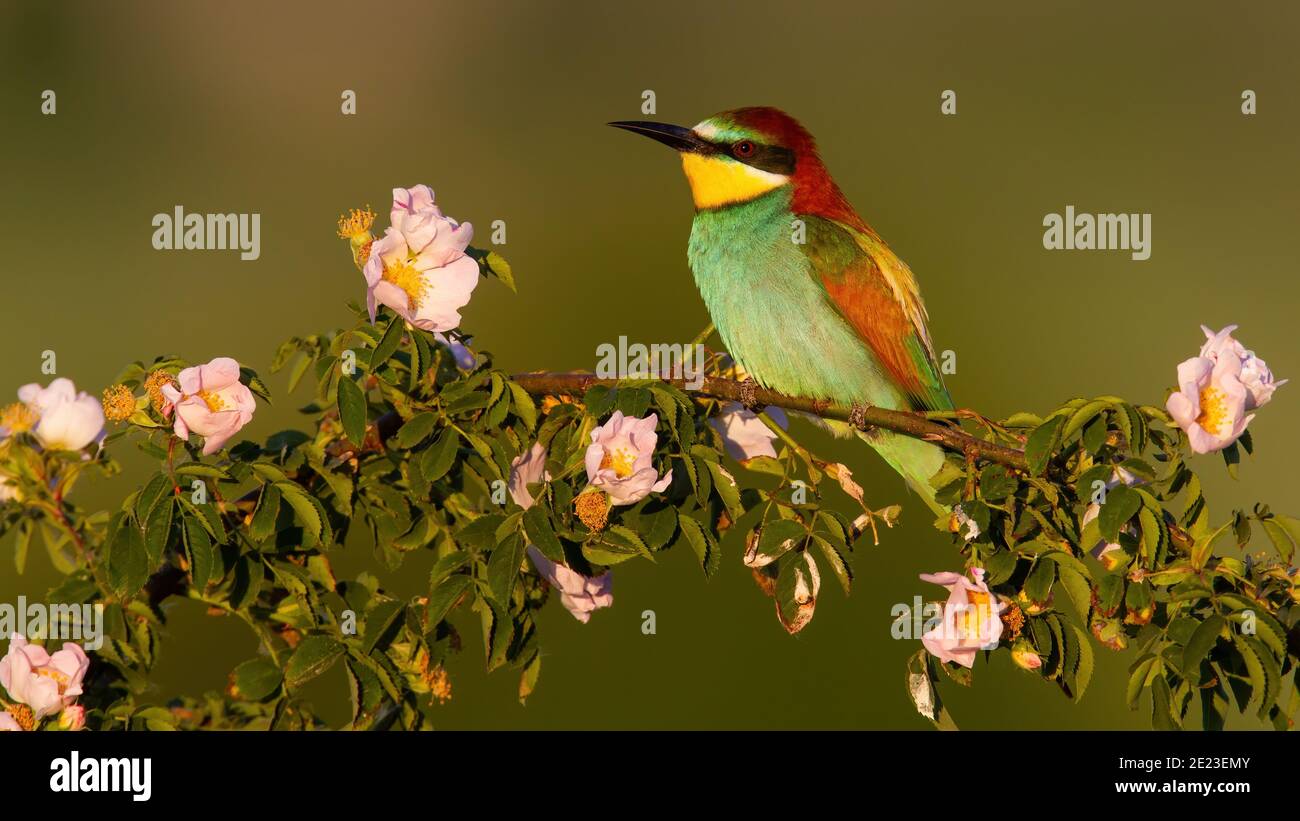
[{"x": 807, "y": 298}]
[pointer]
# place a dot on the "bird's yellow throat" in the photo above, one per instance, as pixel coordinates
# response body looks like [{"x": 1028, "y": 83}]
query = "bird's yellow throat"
[{"x": 718, "y": 181}]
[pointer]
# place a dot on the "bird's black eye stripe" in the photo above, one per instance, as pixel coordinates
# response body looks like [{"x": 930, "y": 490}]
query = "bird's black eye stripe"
[{"x": 772, "y": 158}]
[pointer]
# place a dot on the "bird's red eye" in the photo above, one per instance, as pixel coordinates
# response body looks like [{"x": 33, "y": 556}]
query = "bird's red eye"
[{"x": 743, "y": 149}]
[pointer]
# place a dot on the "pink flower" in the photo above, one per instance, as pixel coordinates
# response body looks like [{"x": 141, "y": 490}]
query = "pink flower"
[
  {"x": 1210, "y": 404},
  {"x": 970, "y": 618},
  {"x": 73, "y": 717},
  {"x": 212, "y": 402},
  {"x": 1254, "y": 375},
  {"x": 8, "y": 724},
  {"x": 419, "y": 267},
  {"x": 46, "y": 683},
  {"x": 579, "y": 594},
  {"x": 528, "y": 468},
  {"x": 618, "y": 459},
  {"x": 66, "y": 419},
  {"x": 744, "y": 434}
]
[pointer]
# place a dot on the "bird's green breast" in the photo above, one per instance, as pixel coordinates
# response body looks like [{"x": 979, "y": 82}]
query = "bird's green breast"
[{"x": 771, "y": 310}]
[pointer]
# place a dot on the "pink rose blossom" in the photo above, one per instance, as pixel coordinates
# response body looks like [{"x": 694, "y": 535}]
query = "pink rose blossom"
[
  {"x": 1210, "y": 404},
  {"x": 44, "y": 682},
  {"x": 419, "y": 267},
  {"x": 970, "y": 618},
  {"x": 744, "y": 434},
  {"x": 8, "y": 724},
  {"x": 1254, "y": 375},
  {"x": 579, "y": 594},
  {"x": 66, "y": 419},
  {"x": 528, "y": 468},
  {"x": 212, "y": 402},
  {"x": 618, "y": 459}
]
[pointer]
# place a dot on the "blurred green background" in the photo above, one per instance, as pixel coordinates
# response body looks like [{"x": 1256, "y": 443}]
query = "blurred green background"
[{"x": 1108, "y": 106}]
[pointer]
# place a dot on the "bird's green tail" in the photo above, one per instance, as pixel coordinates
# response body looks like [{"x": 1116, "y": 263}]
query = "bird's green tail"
[{"x": 916, "y": 460}]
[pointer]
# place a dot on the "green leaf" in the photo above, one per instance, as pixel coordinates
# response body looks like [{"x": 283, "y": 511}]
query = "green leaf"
[
  {"x": 202, "y": 555},
  {"x": 727, "y": 489},
  {"x": 257, "y": 679},
  {"x": 352, "y": 410},
  {"x": 1038, "y": 585},
  {"x": 1162, "y": 716},
  {"x": 304, "y": 507},
  {"x": 779, "y": 537},
  {"x": 268, "y": 509},
  {"x": 315, "y": 655},
  {"x": 416, "y": 429},
  {"x": 444, "y": 596},
  {"x": 379, "y": 620},
  {"x": 1137, "y": 679},
  {"x": 157, "y": 531},
  {"x": 503, "y": 567},
  {"x": 128, "y": 561},
  {"x": 525, "y": 409},
  {"x": 706, "y": 550},
  {"x": 1079, "y": 590},
  {"x": 1199, "y": 645},
  {"x": 1041, "y": 443},
  {"x": 388, "y": 344},
  {"x": 537, "y": 524},
  {"x": 1122, "y": 503},
  {"x": 438, "y": 458},
  {"x": 1083, "y": 675}
]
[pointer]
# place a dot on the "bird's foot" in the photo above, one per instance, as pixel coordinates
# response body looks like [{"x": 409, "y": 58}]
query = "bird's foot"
[
  {"x": 858, "y": 416},
  {"x": 749, "y": 395}
]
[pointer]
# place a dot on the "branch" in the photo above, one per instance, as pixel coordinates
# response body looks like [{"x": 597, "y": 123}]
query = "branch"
[{"x": 864, "y": 418}]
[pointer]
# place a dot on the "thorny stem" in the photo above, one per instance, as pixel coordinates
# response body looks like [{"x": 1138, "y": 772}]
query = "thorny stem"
[{"x": 904, "y": 422}]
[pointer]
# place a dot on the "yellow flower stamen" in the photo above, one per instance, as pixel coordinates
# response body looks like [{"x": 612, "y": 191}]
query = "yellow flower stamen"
[
  {"x": 212, "y": 400},
  {"x": 23, "y": 715},
  {"x": 439, "y": 684},
  {"x": 973, "y": 616},
  {"x": 404, "y": 276},
  {"x": 17, "y": 418},
  {"x": 59, "y": 678},
  {"x": 119, "y": 403},
  {"x": 1013, "y": 618},
  {"x": 592, "y": 509},
  {"x": 153, "y": 386},
  {"x": 356, "y": 223},
  {"x": 1214, "y": 411},
  {"x": 621, "y": 460}
]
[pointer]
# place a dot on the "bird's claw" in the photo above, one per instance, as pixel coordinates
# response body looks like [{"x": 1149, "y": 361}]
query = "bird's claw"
[
  {"x": 749, "y": 395},
  {"x": 858, "y": 416}
]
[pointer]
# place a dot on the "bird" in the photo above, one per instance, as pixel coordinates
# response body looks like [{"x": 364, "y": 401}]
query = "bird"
[{"x": 806, "y": 297}]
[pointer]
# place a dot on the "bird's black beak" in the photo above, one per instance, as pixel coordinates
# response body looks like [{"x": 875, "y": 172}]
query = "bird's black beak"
[{"x": 673, "y": 136}]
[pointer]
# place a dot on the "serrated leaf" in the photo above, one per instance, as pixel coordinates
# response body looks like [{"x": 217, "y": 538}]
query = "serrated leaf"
[
  {"x": 314, "y": 655},
  {"x": 416, "y": 430},
  {"x": 257, "y": 679},
  {"x": 352, "y": 410}
]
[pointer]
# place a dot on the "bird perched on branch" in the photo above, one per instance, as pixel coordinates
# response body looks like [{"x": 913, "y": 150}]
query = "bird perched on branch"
[{"x": 807, "y": 298}]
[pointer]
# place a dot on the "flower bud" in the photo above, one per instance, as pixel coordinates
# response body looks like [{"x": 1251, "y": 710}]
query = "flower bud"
[
  {"x": 73, "y": 717},
  {"x": 1024, "y": 656}
]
